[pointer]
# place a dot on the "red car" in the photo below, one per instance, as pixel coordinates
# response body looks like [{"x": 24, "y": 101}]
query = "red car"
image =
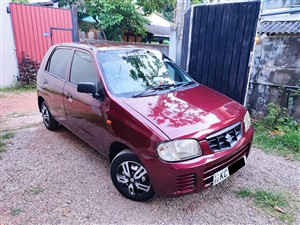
[{"x": 162, "y": 132}]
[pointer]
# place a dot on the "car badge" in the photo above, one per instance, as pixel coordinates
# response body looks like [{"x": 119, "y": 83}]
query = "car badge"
[{"x": 228, "y": 138}]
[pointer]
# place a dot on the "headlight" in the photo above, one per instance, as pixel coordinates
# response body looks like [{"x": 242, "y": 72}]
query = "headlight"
[
  {"x": 247, "y": 121},
  {"x": 178, "y": 150}
]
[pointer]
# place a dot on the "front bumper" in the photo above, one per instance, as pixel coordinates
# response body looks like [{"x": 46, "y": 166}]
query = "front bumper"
[{"x": 182, "y": 178}]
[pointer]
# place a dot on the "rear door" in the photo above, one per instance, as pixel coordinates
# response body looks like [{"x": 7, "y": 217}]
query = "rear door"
[
  {"x": 54, "y": 80},
  {"x": 83, "y": 112}
]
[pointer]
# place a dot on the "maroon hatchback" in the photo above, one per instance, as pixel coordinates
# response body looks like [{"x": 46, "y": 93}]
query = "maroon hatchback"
[{"x": 162, "y": 132}]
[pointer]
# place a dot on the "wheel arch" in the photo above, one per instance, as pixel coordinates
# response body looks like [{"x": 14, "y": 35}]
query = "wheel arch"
[
  {"x": 40, "y": 101},
  {"x": 115, "y": 148}
]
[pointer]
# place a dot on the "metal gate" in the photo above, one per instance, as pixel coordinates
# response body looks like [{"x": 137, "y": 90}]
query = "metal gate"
[
  {"x": 36, "y": 28},
  {"x": 216, "y": 47}
]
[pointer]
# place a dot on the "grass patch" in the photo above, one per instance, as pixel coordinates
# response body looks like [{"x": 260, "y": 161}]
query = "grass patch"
[
  {"x": 271, "y": 202},
  {"x": 37, "y": 190},
  {"x": 15, "y": 212},
  {"x": 283, "y": 141},
  {"x": 277, "y": 133},
  {"x": 7, "y": 135},
  {"x": 2, "y": 147},
  {"x": 244, "y": 192},
  {"x": 18, "y": 89}
]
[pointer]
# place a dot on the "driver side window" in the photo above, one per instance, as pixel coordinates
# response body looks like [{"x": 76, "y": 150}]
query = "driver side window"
[{"x": 83, "y": 69}]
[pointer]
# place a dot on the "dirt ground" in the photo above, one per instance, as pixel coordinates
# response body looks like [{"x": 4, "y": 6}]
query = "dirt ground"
[
  {"x": 18, "y": 110},
  {"x": 55, "y": 178}
]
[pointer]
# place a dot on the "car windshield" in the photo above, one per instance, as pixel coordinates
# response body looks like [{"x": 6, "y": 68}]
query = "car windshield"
[{"x": 139, "y": 72}]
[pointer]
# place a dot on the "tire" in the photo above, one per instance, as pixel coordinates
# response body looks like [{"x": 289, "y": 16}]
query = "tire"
[
  {"x": 130, "y": 177},
  {"x": 48, "y": 120}
]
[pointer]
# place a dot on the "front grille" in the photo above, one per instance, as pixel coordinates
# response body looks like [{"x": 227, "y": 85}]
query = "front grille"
[
  {"x": 226, "y": 138},
  {"x": 234, "y": 163},
  {"x": 186, "y": 182}
]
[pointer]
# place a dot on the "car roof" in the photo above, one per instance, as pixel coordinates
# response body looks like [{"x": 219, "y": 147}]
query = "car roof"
[{"x": 102, "y": 46}]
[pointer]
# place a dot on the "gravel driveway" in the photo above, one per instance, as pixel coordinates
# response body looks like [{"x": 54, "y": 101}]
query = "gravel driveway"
[{"x": 55, "y": 178}]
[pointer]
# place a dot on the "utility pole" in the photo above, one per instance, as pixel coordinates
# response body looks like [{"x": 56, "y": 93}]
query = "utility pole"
[{"x": 177, "y": 30}]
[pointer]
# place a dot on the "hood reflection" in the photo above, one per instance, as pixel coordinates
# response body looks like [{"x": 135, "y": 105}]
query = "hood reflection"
[{"x": 174, "y": 112}]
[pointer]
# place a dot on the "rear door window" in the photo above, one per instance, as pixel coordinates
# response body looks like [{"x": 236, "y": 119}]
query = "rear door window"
[
  {"x": 83, "y": 69},
  {"x": 58, "y": 63}
]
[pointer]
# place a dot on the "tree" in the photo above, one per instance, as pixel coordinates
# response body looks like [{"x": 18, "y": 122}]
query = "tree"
[
  {"x": 168, "y": 12},
  {"x": 116, "y": 17}
]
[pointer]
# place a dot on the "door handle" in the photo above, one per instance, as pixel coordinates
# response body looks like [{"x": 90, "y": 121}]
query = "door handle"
[
  {"x": 69, "y": 95},
  {"x": 45, "y": 81}
]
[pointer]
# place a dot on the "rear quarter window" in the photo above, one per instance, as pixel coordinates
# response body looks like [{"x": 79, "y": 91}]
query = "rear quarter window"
[{"x": 58, "y": 62}]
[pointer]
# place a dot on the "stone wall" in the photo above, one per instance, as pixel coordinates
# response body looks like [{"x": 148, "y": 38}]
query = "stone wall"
[{"x": 275, "y": 75}]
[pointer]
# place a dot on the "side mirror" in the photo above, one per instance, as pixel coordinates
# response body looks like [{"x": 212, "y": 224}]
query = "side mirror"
[
  {"x": 90, "y": 88},
  {"x": 86, "y": 87}
]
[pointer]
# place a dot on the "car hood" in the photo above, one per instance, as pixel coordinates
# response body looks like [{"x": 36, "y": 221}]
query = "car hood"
[{"x": 191, "y": 113}]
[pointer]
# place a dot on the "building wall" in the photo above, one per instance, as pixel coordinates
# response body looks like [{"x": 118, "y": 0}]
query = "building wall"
[
  {"x": 8, "y": 59},
  {"x": 275, "y": 70}
]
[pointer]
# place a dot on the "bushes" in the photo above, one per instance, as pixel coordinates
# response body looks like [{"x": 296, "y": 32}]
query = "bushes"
[
  {"x": 278, "y": 133},
  {"x": 28, "y": 69}
]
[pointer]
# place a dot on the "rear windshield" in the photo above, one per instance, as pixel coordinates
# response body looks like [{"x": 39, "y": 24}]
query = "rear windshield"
[{"x": 129, "y": 72}]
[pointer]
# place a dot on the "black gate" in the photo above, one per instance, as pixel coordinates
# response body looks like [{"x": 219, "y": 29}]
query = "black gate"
[{"x": 216, "y": 45}]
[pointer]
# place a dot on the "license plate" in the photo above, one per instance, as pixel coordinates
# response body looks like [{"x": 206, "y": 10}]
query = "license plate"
[{"x": 220, "y": 176}]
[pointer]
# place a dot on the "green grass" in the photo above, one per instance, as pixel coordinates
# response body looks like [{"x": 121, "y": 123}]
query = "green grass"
[
  {"x": 7, "y": 135},
  {"x": 15, "y": 212},
  {"x": 283, "y": 140},
  {"x": 244, "y": 192},
  {"x": 267, "y": 201},
  {"x": 18, "y": 89},
  {"x": 2, "y": 147},
  {"x": 36, "y": 190}
]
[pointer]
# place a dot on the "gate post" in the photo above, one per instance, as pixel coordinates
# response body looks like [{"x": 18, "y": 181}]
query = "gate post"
[
  {"x": 176, "y": 31},
  {"x": 75, "y": 35}
]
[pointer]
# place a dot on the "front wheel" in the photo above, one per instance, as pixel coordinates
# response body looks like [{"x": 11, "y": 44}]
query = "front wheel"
[
  {"x": 48, "y": 120},
  {"x": 130, "y": 177}
]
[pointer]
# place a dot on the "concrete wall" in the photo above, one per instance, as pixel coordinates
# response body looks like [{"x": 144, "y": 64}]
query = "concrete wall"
[
  {"x": 8, "y": 59},
  {"x": 275, "y": 70}
]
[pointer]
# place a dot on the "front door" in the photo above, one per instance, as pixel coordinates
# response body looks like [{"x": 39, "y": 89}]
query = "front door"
[
  {"x": 54, "y": 80},
  {"x": 83, "y": 112}
]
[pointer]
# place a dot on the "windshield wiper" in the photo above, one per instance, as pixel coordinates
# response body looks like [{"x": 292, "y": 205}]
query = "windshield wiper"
[
  {"x": 153, "y": 89},
  {"x": 182, "y": 85}
]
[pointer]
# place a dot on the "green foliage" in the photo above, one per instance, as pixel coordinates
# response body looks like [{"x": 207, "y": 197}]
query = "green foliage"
[
  {"x": 28, "y": 69},
  {"x": 269, "y": 201},
  {"x": 37, "y": 190},
  {"x": 155, "y": 5},
  {"x": 168, "y": 11},
  {"x": 278, "y": 133},
  {"x": 7, "y": 135},
  {"x": 116, "y": 17},
  {"x": 263, "y": 198},
  {"x": 166, "y": 42},
  {"x": 2, "y": 147},
  {"x": 18, "y": 88},
  {"x": 15, "y": 212},
  {"x": 244, "y": 192}
]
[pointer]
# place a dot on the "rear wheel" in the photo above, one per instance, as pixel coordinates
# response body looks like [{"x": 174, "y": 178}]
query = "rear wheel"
[
  {"x": 48, "y": 120},
  {"x": 130, "y": 177}
]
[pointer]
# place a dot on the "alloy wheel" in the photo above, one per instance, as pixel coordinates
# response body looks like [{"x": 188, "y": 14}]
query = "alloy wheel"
[{"x": 133, "y": 178}]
